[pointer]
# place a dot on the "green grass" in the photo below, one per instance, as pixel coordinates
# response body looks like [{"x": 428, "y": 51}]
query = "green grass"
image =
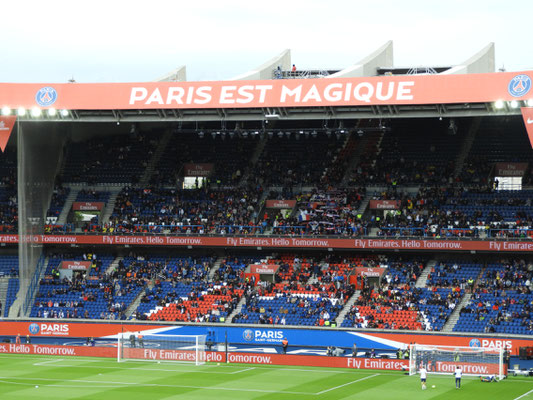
[{"x": 34, "y": 377}]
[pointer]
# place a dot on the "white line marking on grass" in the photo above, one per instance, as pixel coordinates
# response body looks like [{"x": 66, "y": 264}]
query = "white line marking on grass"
[
  {"x": 238, "y": 372},
  {"x": 64, "y": 386},
  {"x": 138, "y": 384},
  {"x": 524, "y": 395},
  {"x": 155, "y": 369},
  {"x": 48, "y": 362},
  {"x": 346, "y": 384}
]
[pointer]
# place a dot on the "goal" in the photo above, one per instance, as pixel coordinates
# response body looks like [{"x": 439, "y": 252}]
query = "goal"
[
  {"x": 444, "y": 360},
  {"x": 174, "y": 348}
]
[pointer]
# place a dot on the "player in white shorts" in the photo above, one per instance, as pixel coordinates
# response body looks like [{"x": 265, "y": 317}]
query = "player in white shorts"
[{"x": 458, "y": 374}]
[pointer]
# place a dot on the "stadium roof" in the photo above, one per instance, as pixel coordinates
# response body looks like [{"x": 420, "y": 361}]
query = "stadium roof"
[{"x": 372, "y": 88}]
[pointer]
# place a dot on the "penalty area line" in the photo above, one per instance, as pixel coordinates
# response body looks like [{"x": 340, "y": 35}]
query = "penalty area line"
[
  {"x": 346, "y": 384},
  {"x": 48, "y": 362},
  {"x": 241, "y": 370},
  {"x": 524, "y": 395}
]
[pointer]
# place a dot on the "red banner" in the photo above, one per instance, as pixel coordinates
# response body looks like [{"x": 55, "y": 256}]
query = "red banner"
[
  {"x": 198, "y": 169},
  {"x": 366, "y": 91},
  {"x": 280, "y": 203},
  {"x": 510, "y": 169},
  {"x": 263, "y": 268},
  {"x": 85, "y": 265},
  {"x": 527, "y": 114},
  {"x": 468, "y": 368},
  {"x": 210, "y": 356},
  {"x": 45, "y": 350},
  {"x": 6, "y": 126},
  {"x": 384, "y": 204},
  {"x": 245, "y": 358},
  {"x": 279, "y": 242},
  {"x": 319, "y": 361},
  {"x": 87, "y": 206}
]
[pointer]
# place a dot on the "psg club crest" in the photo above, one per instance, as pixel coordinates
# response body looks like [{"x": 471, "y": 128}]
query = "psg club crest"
[
  {"x": 475, "y": 343},
  {"x": 46, "y": 96},
  {"x": 248, "y": 335},
  {"x": 519, "y": 85},
  {"x": 34, "y": 328}
]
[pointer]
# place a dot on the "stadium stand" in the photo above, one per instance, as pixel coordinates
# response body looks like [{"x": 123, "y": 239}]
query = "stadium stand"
[
  {"x": 230, "y": 153},
  {"x": 109, "y": 159},
  {"x": 502, "y": 301}
]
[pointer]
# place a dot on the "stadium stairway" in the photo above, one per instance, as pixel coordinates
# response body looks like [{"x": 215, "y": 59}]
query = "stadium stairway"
[
  {"x": 237, "y": 310},
  {"x": 454, "y": 316},
  {"x": 135, "y": 303},
  {"x": 216, "y": 266},
  {"x": 467, "y": 145},
  {"x": 253, "y": 160},
  {"x": 347, "y": 306},
  {"x": 161, "y": 146},
  {"x": 422, "y": 279},
  {"x": 114, "y": 264},
  {"x": 349, "y": 138},
  {"x": 3, "y": 293},
  {"x": 110, "y": 205},
  {"x": 34, "y": 294},
  {"x": 364, "y": 204},
  {"x": 71, "y": 198},
  {"x": 354, "y": 160}
]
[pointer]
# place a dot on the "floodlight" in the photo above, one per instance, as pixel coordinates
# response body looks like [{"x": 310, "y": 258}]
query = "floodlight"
[
  {"x": 530, "y": 103},
  {"x": 21, "y": 111},
  {"x": 6, "y": 110},
  {"x": 499, "y": 104},
  {"x": 514, "y": 104},
  {"x": 64, "y": 113},
  {"x": 52, "y": 112},
  {"x": 35, "y": 112}
]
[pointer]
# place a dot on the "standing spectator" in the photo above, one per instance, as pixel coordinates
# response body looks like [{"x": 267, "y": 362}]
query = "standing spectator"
[
  {"x": 284, "y": 345},
  {"x": 132, "y": 340},
  {"x": 17, "y": 339},
  {"x": 354, "y": 350},
  {"x": 140, "y": 338},
  {"x": 28, "y": 339},
  {"x": 293, "y": 67}
]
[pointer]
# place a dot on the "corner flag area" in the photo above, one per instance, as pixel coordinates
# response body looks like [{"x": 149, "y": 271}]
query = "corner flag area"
[{"x": 30, "y": 377}]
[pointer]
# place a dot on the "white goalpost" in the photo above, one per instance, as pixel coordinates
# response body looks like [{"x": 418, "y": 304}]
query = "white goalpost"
[
  {"x": 479, "y": 361},
  {"x": 173, "y": 348}
]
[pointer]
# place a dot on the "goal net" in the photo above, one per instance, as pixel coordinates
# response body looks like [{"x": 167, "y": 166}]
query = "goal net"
[
  {"x": 174, "y": 348},
  {"x": 444, "y": 360}
]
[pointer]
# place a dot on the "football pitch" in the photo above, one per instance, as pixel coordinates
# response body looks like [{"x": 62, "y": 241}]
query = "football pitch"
[{"x": 34, "y": 377}]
